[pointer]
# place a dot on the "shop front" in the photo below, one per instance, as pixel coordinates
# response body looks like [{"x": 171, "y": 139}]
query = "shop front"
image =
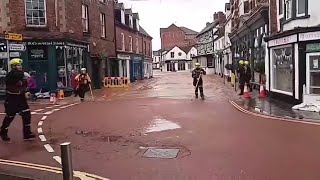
[
  {"x": 130, "y": 66},
  {"x": 55, "y": 63},
  {"x": 137, "y": 70},
  {"x": 147, "y": 68}
]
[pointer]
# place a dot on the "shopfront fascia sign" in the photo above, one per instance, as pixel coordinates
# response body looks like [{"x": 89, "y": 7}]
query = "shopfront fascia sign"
[
  {"x": 309, "y": 36},
  {"x": 136, "y": 58},
  {"x": 283, "y": 41},
  {"x": 76, "y": 45},
  {"x": 124, "y": 57},
  {"x": 313, "y": 47},
  {"x": 46, "y": 43}
]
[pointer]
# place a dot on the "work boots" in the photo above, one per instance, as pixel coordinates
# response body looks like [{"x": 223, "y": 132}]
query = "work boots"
[
  {"x": 27, "y": 134},
  {"x": 196, "y": 96},
  {"x": 4, "y": 135}
]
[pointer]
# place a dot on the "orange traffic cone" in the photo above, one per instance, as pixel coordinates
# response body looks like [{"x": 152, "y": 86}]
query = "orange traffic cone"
[
  {"x": 61, "y": 95},
  {"x": 262, "y": 93},
  {"x": 245, "y": 91}
]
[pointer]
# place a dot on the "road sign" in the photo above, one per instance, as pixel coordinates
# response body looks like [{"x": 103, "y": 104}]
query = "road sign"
[
  {"x": 17, "y": 47},
  {"x": 13, "y": 36}
]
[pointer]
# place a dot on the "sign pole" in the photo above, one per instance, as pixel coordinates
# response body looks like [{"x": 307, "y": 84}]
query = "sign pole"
[{"x": 8, "y": 59}]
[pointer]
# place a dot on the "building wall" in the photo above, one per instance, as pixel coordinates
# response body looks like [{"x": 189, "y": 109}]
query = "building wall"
[
  {"x": 120, "y": 29},
  {"x": 191, "y": 53},
  {"x": 172, "y": 36},
  {"x": 176, "y": 51}
]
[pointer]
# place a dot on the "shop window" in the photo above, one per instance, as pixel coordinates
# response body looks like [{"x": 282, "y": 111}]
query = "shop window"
[
  {"x": 36, "y": 12},
  {"x": 282, "y": 70},
  {"x": 103, "y": 25},
  {"x": 314, "y": 70},
  {"x": 85, "y": 18},
  {"x": 181, "y": 66}
]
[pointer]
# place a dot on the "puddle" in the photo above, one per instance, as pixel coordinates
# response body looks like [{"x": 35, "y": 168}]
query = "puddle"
[{"x": 159, "y": 125}]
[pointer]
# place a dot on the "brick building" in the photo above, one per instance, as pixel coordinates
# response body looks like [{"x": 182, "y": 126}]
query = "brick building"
[
  {"x": 60, "y": 36},
  {"x": 134, "y": 49},
  {"x": 177, "y": 36},
  {"x": 293, "y": 51}
]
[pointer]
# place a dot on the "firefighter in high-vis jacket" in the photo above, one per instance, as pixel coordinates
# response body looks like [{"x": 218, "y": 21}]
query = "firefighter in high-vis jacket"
[
  {"x": 244, "y": 71},
  {"x": 84, "y": 81},
  {"x": 16, "y": 101},
  {"x": 197, "y": 74}
]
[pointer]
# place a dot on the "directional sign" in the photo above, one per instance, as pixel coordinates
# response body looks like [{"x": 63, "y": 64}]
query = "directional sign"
[
  {"x": 13, "y": 36},
  {"x": 17, "y": 47}
]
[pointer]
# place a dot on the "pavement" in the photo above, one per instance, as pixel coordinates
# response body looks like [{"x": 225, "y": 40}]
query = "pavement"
[{"x": 156, "y": 130}]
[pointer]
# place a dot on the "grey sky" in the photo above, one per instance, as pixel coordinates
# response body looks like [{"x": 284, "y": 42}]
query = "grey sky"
[{"x": 156, "y": 14}]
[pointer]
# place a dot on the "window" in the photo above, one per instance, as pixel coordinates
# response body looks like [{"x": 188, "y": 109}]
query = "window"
[
  {"x": 281, "y": 7},
  {"x": 172, "y": 54},
  {"x": 145, "y": 48},
  {"x": 179, "y": 54},
  {"x": 137, "y": 45},
  {"x": 130, "y": 43},
  {"x": 288, "y": 9},
  {"x": 301, "y": 7},
  {"x": 282, "y": 70},
  {"x": 122, "y": 42},
  {"x": 103, "y": 24},
  {"x": 36, "y": 13},
  {"x": 246, "y": 7},
  {"x": 150, "y": 52},
  {"x": 181, "y": 66},
  {"x": 85, "y": 20}
]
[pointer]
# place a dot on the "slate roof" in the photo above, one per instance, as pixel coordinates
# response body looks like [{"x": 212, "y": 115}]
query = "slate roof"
[
  {"x": 208, "y": 27},
  {"x": 119, "y": 6},
  {"x": 188, "y": 31},
  {"x": 186, "y": 49},
  {"x": 144, "y": 32}
]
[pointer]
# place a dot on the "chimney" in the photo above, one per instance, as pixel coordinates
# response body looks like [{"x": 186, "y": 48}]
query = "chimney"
[
  {"x": 221, "y": 17},
  {"x": 215, "y": 16}
]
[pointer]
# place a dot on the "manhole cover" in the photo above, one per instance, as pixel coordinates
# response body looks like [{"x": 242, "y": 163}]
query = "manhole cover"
[{"x": 161, "y": 153}]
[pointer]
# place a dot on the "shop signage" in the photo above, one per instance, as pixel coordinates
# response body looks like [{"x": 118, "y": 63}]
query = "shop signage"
[
  {"x": 45, "y": 43},
  {"x": 125, "y": 57},
  {"x": 13, "y": 36},
  {"x": 17, "y": 47},
  {"x": 313, "y": 47},
  {"x": 283, "y": 41},
  {"x": 137, "y": 58},
  {"x": 3, "y": 55},
  {"x": 15, "y": 54},
  {"x": 37, "y": 53},
  {"x": 309, "y": 36}
]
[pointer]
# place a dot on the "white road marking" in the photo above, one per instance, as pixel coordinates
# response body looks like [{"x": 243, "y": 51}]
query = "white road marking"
[
  {"x": 48, "y": 148},
  {"x": 33, "y": 112},
  {"x": 44, "y": 118},
  {"x": 53, "y": 110},
  {"x": 57, "y": 105},
  {"x": 58, "y": 159},
  {"x": 48, "y": 113},
  {"x": 40, "y": 123},
  {"x": 49, "y": 107},
  {"x": 42, "y": 138},
  {"x": 38, "y": 110},
  {"x": 40, "y": 130}
]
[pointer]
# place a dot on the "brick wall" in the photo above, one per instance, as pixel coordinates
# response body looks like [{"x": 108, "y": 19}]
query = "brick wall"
[
  {"x": 273, "y": 18},
  {"x": 171, "y": 37},
  {"x": 121, "y": 29}
]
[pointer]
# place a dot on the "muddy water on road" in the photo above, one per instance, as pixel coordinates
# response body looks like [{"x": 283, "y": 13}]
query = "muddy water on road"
[{"x": 159, "y": 124}]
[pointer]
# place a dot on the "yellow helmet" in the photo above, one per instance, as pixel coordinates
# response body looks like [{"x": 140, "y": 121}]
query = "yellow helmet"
[
  {"x": 246, "y": 62},
  {"x": 241, "y": 62},
  {"x": 197, "y": 64},
  {"x": 15, "y": 61}
]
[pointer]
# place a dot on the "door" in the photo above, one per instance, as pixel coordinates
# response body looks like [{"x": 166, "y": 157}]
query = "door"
[{"x": 313, "y": 74}]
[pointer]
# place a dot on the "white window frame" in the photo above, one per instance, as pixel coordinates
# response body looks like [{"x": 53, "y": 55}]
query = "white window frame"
[
  {"x": 137, "y": 45},
  {"x": 130, "y": 43},
  {"x": 85, "y": 18},
  {"x": 272, "y": 71},
  {"x": 123, "y": 47},
  {"x": 297, "y": 9},
  {"x": 102, "y": 25},
  {"x": 44, "y": 11},
  {"x": 288, "y": 9}
]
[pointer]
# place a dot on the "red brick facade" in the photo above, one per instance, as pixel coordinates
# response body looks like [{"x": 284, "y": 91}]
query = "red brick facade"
[
  {"x": 273, "y": 16},
  {"x": 64, "y": 21},
  {"x": 176, "y": 36}
]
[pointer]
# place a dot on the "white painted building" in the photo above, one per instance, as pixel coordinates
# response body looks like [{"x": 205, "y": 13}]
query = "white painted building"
[
  {"x": 227, "y": 57},
  {"x": 293, "y": 55},
  {"x": 178, "y": 58},
  {"x": 156, "y": 59}
]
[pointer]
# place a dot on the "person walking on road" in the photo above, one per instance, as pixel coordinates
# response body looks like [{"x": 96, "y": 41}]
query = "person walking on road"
[
  {"x": 197, "y": 74},
  {"x": 16, "y": 101},
  {"x": 84, "y": 81},
  {"x": 244, "y": 74}
]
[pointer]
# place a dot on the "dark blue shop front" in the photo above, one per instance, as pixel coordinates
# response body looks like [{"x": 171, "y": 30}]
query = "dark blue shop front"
[{"x": 136, "y": 68}]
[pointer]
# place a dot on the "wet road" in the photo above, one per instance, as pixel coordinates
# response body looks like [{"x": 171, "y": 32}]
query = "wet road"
[{"x": 215, "y": 141}]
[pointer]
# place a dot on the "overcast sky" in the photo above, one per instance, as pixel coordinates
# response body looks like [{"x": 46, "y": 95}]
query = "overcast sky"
[{"x": 156, "y": 14}]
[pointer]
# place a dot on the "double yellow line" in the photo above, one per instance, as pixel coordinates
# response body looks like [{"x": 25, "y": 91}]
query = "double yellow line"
[{"x": 78, "y": 174}]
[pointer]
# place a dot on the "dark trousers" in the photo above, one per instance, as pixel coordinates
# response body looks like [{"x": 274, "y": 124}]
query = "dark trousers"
[
  {"x": 82, "y": 90},
  {"x": 17, "y": 104},
  {"x": 198, "y": 86}
]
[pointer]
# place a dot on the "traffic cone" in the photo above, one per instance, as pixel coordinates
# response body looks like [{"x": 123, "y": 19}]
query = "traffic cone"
[
  {"x": 262, "y": 93},
  {"x": 61, "y": 95},
  {"x": 245, "y": 91}
]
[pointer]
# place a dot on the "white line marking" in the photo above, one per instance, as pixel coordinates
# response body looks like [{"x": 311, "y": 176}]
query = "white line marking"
[
  {"x": 48, "y": 148},
  {"x": 49, "y": 112},
  {"x": 33, "y": 112},
  {"x": 50, "y": 107},
  {"x": 40, "y": 130},
  {"x": 40, "y": 123},
  {"x": 38, "y": 110},
  {"x": 58, "y": 159},
  {"x": 42, "y": 138},
  {"x": 44, "y": 118},
  {"x": 53, "y": 110},
  {"x": 57, "y": 105}
]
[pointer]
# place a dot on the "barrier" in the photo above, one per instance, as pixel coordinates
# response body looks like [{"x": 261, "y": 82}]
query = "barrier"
[{"x": 116, "y": 82}]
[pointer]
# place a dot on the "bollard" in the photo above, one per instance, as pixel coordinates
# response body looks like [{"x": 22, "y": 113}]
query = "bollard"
[{"x": 66, "y": 159}]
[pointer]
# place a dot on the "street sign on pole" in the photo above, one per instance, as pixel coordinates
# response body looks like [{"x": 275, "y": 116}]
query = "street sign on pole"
[{"x": 13, "y": 36}]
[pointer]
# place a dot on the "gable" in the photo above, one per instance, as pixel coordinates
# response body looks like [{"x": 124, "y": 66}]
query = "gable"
[{"x": 173, "y": 27}]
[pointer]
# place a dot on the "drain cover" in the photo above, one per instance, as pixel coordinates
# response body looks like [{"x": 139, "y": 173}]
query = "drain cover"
[{"x": 161, "y": 153}]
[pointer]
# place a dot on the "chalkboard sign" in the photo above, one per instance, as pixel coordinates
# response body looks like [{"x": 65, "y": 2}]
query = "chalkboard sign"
[
  {"x": 38, "y": 52},
  {"x": 314, "y": 62}
]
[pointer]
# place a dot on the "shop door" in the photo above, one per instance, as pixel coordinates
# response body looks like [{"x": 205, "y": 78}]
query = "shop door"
[
  {"x": 137, "y": 68},
  {"x": 313, "y": 74},
  {"x": 40, "y": 68},
  {"x": 96, "y": 73}
]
